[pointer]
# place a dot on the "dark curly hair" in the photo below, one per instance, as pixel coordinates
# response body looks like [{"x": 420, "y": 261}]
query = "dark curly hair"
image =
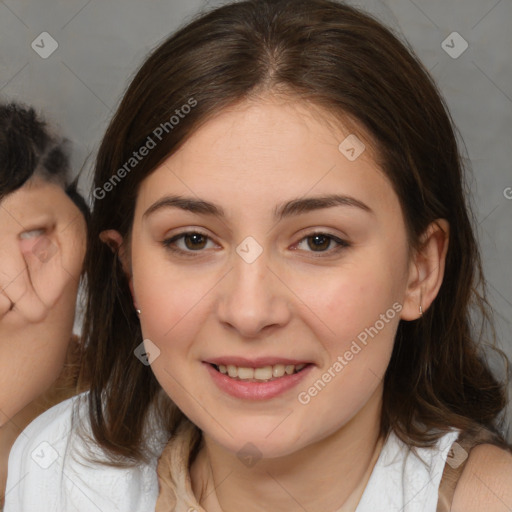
[{"x": 28, "y": 149}]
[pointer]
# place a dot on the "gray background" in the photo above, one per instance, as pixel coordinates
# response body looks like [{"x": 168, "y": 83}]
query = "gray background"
[{"x": 101, "y": 43}]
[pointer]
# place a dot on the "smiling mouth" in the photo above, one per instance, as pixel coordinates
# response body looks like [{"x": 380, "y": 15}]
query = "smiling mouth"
[{"x": 261, "y": 374}]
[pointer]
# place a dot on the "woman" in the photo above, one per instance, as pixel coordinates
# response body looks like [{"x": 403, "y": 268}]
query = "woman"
[
  {"x": 280, "y": 271},
  {"x": 42, "y": 233}
]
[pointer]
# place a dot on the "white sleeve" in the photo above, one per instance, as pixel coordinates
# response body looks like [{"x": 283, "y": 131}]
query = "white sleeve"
[{"x": 44, "y": 473}]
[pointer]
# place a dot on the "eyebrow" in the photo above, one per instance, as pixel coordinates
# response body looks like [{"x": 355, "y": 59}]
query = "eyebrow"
[{"x": 288, "y": 209}]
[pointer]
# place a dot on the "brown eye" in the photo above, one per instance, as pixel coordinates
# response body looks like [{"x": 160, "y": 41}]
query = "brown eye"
[
  {"x": 194, "y": 241},
  {"x": 322, "y": 243},
  {"x": 187, "y": 243},
  {"x": 319, "y": 242}
]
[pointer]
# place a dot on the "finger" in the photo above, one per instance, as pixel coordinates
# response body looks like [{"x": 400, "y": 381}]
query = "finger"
[
  {"x": 54, "y": 264},
  {"x": 72, "y": 242},
  {"x": 44, "y": 270},
  {"x": 15, "y": 283},
  {"x": 6, "y": 304}
]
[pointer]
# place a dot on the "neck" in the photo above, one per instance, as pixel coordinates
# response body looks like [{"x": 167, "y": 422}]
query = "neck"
[
  {"x": 330, "y": 474},
  {"x": 9, "y": 432}
]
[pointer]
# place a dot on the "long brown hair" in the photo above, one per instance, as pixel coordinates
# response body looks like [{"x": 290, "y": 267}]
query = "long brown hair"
[{"x": 338, "y": 58}]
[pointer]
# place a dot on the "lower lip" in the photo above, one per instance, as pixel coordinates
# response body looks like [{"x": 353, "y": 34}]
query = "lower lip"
[{"x": 256, "y": 390}]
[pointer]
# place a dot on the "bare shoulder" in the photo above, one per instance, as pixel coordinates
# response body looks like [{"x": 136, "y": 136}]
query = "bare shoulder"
[{"x": 486, "y": 482}]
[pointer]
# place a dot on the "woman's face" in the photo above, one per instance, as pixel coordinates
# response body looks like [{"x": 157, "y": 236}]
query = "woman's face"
[
  {"x": 278, "y": 276},
  {"x": 42, "y": 245}
]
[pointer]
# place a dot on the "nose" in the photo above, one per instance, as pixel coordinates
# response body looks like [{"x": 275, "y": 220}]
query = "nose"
[{"x": 253, "y": 299}]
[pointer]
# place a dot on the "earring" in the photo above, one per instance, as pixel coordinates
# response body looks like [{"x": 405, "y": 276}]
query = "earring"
[
  {"x": 421, "y": 311},
  {"x": 138, "y": 311}
]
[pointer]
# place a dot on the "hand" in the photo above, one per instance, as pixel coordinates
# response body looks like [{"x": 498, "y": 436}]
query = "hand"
[
  {"x": 38, "y": 261},
  {"x": 42, "y": 246}
]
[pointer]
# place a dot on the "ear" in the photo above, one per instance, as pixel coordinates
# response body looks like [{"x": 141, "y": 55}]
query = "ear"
[
  {"x": 114, "y": 240},
  {"x": 426, "y": 270}
]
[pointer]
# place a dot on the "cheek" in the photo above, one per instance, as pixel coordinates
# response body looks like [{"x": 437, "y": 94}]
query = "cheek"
[
  {"x": 349, "y": 299},
  {"x": 172, "y": 306},
  {"x": 163, "y": 303},
  {"x": 27, "y": 369},
  {"x": 170, "y": 298}
]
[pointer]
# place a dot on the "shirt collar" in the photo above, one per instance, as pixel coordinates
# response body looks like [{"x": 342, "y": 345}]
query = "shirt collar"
[{"x": 175, "y": 485}]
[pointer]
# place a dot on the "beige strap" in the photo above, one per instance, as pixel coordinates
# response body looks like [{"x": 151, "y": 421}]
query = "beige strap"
[
  {"x": 455, "y": 463},
  {"x": 175, "y": 486}
]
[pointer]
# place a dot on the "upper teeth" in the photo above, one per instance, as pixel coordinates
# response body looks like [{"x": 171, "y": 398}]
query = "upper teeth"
[{"x": 264, "y": 373}]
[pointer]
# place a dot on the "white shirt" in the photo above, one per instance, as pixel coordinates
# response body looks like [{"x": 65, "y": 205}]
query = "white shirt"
[
  {"x": 401, "y": 482},
  {"x": 47, "y": 472}
]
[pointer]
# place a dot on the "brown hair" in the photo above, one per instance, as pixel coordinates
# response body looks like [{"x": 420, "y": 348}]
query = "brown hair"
[{"x": 335, "y": 57}]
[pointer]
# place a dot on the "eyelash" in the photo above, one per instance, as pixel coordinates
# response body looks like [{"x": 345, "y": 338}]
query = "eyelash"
[{"x": 341, "y": 244}]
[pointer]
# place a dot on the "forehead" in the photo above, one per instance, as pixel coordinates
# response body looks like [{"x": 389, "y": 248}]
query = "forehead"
[
  {"x": 269, "y": 150},
  {"x": 35, "y": 196}
]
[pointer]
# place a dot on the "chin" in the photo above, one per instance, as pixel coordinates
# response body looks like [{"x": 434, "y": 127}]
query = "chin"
[{"x": 261, "y": 440}]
